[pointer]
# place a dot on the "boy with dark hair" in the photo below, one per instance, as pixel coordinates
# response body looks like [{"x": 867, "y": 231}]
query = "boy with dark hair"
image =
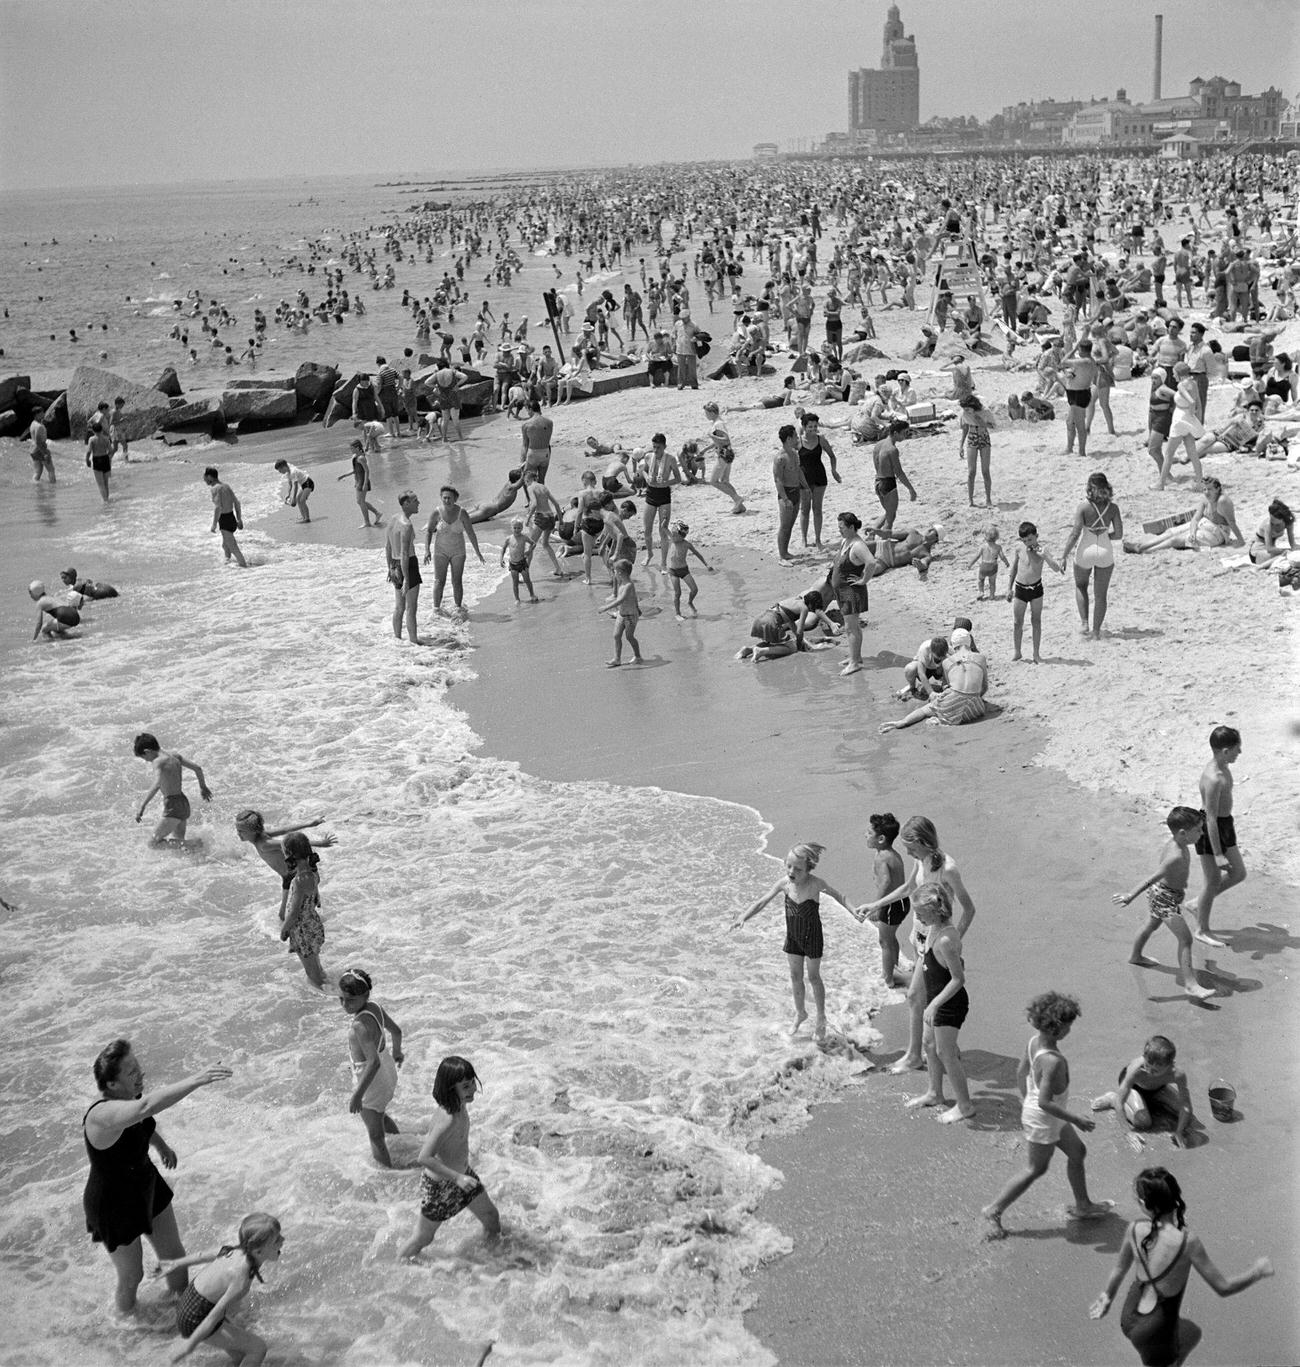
[
  {"x": 1221, "y": 860},
  {"x": 167, "y": 768}
]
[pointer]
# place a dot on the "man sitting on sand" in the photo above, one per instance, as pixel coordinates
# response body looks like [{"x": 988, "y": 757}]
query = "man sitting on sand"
[{"x": 966, "y": 681}]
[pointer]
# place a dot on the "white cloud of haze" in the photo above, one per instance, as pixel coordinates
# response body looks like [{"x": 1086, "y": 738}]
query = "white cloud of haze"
[{"x": 142, "y": 91}]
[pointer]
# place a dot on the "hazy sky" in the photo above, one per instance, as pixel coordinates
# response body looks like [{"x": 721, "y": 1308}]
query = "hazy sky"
[{"x": 144, "y": 91}]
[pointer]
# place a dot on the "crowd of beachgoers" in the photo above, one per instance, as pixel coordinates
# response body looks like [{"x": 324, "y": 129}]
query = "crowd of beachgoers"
[{"x": 1052, "y": 280}]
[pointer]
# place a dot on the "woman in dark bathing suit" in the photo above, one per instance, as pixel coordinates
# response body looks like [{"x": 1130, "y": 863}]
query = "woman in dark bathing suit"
[{"x": 812, "y": 445}]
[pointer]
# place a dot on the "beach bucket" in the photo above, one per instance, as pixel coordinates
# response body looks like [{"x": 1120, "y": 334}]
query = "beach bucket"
[{"x": 1223, "y": 1099}]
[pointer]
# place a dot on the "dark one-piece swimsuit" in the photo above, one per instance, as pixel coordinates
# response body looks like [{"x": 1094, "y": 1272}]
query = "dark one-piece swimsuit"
[
  {"x": 124, "y": 1193},
  {"x": 803, "y": 927}
]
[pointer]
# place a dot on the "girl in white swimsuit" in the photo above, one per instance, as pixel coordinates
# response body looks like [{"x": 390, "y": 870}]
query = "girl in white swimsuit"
[{"x": 1096, "y": 522}]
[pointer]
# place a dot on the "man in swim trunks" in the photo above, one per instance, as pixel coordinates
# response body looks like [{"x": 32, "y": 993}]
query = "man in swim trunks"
[
  {"x": 167, "y": 768},
  {"x": 227, "y": 516},
  {"x": 1080, "y": 374},
  {"x": 791, "y": 482},
  {"x": 1221, "y": 860},
  {"x": 536, "y": 436},
  {"x": 662, "y": 472},
  {"x": 404, "y": 567},
  {"x": 99, "y": 455}
]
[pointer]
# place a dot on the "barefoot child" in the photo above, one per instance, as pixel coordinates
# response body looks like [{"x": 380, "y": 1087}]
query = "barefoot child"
[
  {"x": 625, "y": 604},
  {"x": 251, "y": 828},
  {"x": 519, "y": 549},
  {"x": 946, "y": 1005},
  {"x": 1166, "y": 1254},
  {"x": 224, "y": 1281},
  {"x": 167, "y": 778},
  {"x": 988, "y": 556},
  {"x": 1165, "y": 890},
  {"x": 924, "y": 674},
  {"x": 302, "y": 924},
  {"x": 1221, "y": 860},
  {"x": 1152, "y": 1085},
  {"x": 887, "y": 870},
  {"x": 448, "y": 1184},
  {"x": 678, "y": 551},
  {"x": 374, "y": 1067},
  {"x": 803, "y": 929},
  {"x": 1026, "y": 586},
  {"x": 1044, "y": 1078}
]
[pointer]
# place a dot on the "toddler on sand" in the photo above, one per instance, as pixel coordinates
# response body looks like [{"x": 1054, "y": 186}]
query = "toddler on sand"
[{"x": 988, "y": 556}]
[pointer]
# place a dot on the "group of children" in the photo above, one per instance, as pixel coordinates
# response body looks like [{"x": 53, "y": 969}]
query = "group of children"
[{"x": 1025, "y": 591}]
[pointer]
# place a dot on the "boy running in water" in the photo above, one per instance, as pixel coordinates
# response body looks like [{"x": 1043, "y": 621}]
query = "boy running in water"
[{"x": 167, "y": 779}]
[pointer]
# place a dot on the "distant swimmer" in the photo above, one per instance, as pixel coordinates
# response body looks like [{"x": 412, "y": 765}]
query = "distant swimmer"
[
  {"x": 168, "y": 774},
  {"x": 227, "y": 516},
  {"x": 87, "y": 588},
  {"x": 52, "y": 617}
]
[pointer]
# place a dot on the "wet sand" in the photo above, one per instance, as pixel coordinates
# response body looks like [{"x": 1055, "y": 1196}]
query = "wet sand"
[{"x": 889, "y": 1264}]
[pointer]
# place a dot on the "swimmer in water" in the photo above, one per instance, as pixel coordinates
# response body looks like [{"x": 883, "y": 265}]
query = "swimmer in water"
[
  {"x": 251, "y": 828},
  {"x": 374, "y": 1066},
  {"x": 52, "y": 617},
  {"x": 168, "y": 768},
  {"x": 203, "y": 1309}
]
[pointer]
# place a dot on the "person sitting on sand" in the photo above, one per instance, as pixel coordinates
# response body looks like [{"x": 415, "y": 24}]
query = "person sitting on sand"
[
  {"x": 803, "y": 892},
  {"x": 962, "y": 700},
  {"x": 167, "y": 767},
  {"x": 52, "y": 617},
  {"x": 1214, "y": 523},
  {"x": 1266, "y": 544},
  {"x": 1151, "y": 1087},
  {"x": 780, "y": 630},
  {"x": 1043, "y": 1078},
  {"x": 924, "y": 673}
]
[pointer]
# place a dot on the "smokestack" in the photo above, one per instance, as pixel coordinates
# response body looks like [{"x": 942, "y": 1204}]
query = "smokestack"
[{"x": 1160, "y": 42}]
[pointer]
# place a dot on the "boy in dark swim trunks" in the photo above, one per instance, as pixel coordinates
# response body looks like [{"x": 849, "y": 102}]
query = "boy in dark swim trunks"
[
  {"x": 679, "y": 548},
  {"x": 1221, "y": 860},
  {"x": 1165, "y": 890},
  {"x": 167, "y": 778},
  {"x": 1026, "y": 586},
  {"x": 1150, "y": 1086},
  {"x": 887, "y": 870}
]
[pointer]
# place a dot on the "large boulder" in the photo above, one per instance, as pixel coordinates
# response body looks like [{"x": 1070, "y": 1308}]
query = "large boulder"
[
  {"x": 256, "y": 409},
  {"x": 314, "y": 383},
  {"x": 262, "y": 382},
  {"x": 10, "y": 386},
  {"x": 56, "y": 419},
  {"x": 169, "y": 383},
  {"x": 198, "y": 413},
  {"x": 145, "y": 406},
  {"x": 340, "y": 405}
]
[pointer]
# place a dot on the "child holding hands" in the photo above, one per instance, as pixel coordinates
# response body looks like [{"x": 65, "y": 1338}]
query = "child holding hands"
[{"x": 1026, "y": 586}]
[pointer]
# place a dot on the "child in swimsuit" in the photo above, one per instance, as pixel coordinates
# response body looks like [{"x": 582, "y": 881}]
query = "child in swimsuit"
[
  {"x": 887, "y": 870},
  {"x": 1165, "y": 890},
  {"x": 203, "y": 1309},
  {"x": 1151, "y": 1084},
  {"x": 988, "y": 556},
  {"x": 250, "y": 827},
  {"x": 625, "y": 604},
  {"x": 678, "y": 551},
  {"x": 1165, "y": 1253},
  {"x": 448, "y": 1184},
  {"x": 803, "y": 929},
  {"x": 1044, "y": 1079},
  {"x": 519, "y": 549},
  {"x": 302, "y": 924},
  {"x": 374, "y": 1066},
  {"x": 1026, "y": 587}
]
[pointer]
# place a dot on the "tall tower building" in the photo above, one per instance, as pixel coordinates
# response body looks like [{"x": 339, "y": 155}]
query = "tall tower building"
[{"x": 888, "y": 99}]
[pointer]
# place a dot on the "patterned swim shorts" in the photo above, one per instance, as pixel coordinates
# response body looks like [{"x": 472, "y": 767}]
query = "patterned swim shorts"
[
  {"x": 1165, "y": 902},
  {"x": 441, "y": 1198}
]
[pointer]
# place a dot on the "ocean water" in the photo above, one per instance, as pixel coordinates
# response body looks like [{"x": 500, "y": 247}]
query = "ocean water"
[
  {"x": 568, "y": 938},
  {"x": 109, "y": 263}
]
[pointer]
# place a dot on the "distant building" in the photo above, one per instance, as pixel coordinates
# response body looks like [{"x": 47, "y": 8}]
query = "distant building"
[
  {"x": 764, "y": 151},
  {"x": 1108, "y": 122},
  {"x": 1180, "y": 147},
  {"x": 888, "y": 99},
  {"x": 1211, "y": 111}
]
